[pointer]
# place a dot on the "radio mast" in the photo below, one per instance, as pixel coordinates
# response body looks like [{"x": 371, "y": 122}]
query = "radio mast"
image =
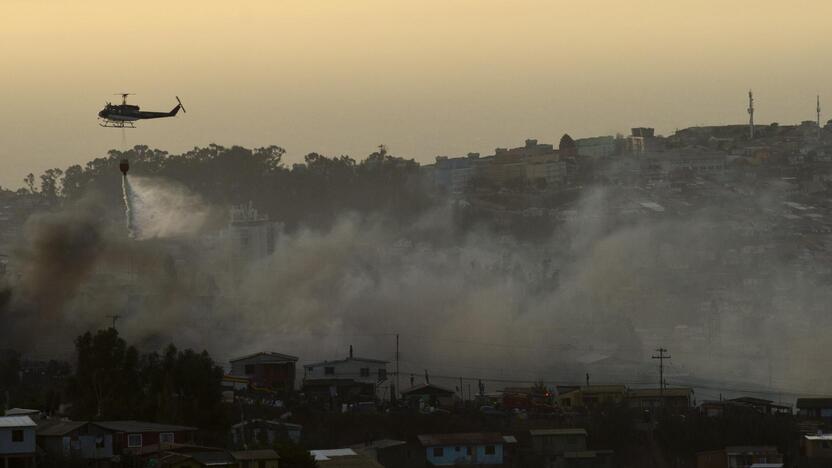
[
  {"x": 751, "y": 114},
  {"x": 818, "y": 109}
]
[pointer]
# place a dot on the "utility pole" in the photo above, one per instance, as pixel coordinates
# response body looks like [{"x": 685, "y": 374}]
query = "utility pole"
[
  {"x": 398, "y": 389},
  {"x": 661, "y": 357},
  {"x": 751, "y": 114},
  {"x": 114, "y": 317}
]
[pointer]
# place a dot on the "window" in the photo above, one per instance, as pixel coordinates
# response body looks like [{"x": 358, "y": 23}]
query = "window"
[
  {"x": 261, "y": 464},
  {"x": 456, "y": 448},
  {"x": 469, "y": 451},
  {"x": 166, "y": 438},
  {"x": 382, "y": 374},
  {"x": 134, "y": 440},
  {"x": 438, "y": 452},
  {"x": 365, "y": 372},
  {"x": 490, "y": 450},
  {"x": 249, "y": 369},
  {"x": 329, "y": 371},
  {"x": 17, "y": 435}
]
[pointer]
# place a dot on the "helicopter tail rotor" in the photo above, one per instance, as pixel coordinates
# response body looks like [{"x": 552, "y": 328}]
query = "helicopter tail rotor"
[{"x": 180, "y": 105}]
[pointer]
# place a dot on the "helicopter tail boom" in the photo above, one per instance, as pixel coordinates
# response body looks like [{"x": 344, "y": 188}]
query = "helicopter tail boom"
[{"x": 175, "y": 110}]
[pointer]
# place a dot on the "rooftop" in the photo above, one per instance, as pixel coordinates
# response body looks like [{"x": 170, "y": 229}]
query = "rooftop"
[
  {"x": 655, "y": 392},
  {"x": 141, "y": 426},
  {"x": 563, "y": 390},
  {"x": 427, "y": 388},
  {"x": 21, "y": 412},
  {"x": 467, "y": 438},
  {"x": 59, "y": 428},
  {"x": 342, "y": 458},
  {"x": 175, "y": 447},
  {"x": 322, "y": 363},
  {"x": 16, "y": 421},
  {"x": 379, "y": 444},
  {"x": 331, "y": 453},
  {"x": 267, "y": 356}
]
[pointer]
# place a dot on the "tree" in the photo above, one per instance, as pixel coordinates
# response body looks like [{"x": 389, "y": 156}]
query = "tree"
[
  {"x": 9, "y": 373},
  {"x": 115, "y": 381},
  {"x": 105, "y": 375},
  {"x": 29, "y": 180},
  {"x": 51, "y": 184}
]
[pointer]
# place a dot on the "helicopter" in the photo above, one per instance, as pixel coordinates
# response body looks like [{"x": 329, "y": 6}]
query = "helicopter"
[{"x": 123, "y": 115}]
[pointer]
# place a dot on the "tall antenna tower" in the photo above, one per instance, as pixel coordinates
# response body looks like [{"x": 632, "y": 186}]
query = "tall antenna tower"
[
  {"x": 818, "y": 109},
  {"x": 751, "y": 114}
]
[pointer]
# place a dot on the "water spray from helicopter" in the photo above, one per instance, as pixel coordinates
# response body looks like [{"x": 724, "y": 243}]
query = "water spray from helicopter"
[{"x": 127, "y": 193}]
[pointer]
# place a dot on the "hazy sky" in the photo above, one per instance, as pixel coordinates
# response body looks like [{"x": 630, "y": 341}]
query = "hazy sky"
[{"x": 424, "y": 77}]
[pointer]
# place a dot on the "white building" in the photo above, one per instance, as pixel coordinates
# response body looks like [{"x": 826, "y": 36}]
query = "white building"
[
  {"x": 250, "y": 234},
  {"x": 358, "y": 369},
  {"x": 17, "y": 441}
]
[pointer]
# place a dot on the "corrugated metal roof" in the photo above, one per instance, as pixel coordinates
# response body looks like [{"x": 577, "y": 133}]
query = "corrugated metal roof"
[
  {"x": 467, "y": 438},
  {"x": 59, "y": 428},
  {"x": 379, "y": 444},
  {"x": 21, "y": 412},
  {"x": 558, "y": 432},
  {"x": 349, "y": 461},
  {"x": 267, "y": 356},
  {"x": 321, "y": 455},
  {"x": 360, "y": 359},
  {"x": 16, "y": 421},
  {"x": 140, "y": 426}
]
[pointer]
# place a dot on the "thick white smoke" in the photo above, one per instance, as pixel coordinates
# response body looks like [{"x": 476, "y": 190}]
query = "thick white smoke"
[{"x": 606, "y": 287}]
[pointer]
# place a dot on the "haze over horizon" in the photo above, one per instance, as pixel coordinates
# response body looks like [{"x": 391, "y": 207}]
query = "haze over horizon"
[{"x": 425, "y": 79}]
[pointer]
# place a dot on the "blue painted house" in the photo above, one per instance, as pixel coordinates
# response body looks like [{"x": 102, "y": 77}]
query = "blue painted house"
[
  {"x": 479, "y": 448},
  {"x": 17, "y": 441}
]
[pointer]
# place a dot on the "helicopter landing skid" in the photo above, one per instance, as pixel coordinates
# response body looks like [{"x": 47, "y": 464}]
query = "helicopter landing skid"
[{"x": 116, "y": 124}]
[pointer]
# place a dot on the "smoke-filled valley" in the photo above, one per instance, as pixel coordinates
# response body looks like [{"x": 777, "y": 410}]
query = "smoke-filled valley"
[{"x": 503, "y": 287}]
